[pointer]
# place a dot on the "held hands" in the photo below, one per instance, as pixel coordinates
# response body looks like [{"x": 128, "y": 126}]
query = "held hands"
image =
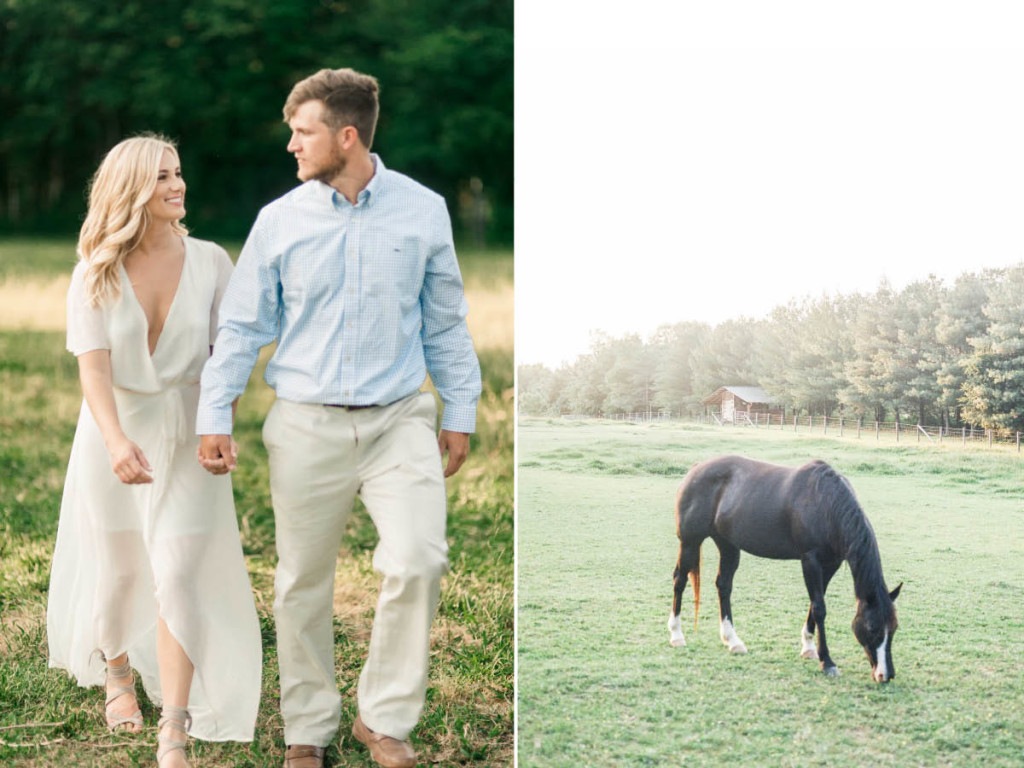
[
  {"x": 217, "y": 454},
  {"x": 129, "y": 462},
  {"x": 457, "y": 446}
]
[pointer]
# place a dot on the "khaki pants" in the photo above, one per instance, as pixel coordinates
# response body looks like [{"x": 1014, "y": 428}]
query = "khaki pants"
[{"x": 320, "y": 458}]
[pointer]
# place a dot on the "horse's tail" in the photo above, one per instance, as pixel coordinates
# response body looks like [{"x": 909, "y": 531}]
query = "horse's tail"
[{"x": 695, "y": 580}]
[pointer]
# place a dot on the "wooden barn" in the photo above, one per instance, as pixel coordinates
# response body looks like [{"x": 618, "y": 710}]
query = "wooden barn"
[{"x": 739, "y": 404}]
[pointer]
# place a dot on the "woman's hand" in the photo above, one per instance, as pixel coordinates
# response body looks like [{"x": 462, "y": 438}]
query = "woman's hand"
[{"x": 129, "y": 462}]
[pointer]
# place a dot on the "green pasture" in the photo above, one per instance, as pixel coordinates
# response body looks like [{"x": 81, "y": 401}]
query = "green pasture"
[
  {"x": 468, "y": 719},
  {"x": 43, "y": 257},
  {"x": 599, "y": 685}
]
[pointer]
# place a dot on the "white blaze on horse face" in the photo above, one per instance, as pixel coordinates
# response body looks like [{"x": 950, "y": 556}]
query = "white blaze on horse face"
[
  {"x": 882, "y": 668},
  {"x": 675, "y": 629},
  {"x": 730, "y": 638}
]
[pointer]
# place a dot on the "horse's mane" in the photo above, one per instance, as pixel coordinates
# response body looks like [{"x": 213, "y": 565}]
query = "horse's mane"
[{"x": 855, "y": 536}]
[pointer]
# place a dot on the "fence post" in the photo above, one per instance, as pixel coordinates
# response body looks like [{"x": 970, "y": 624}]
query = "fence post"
[
  {"x": 859, "y": 419},
  {"x": 990, "y": 431},
  {"x": 794, "y": 422},
  {"x": 824, "y": 425},
  {"x": 876, "y": 431},
  {"x": 963, "y": 431},
  {"x": 1018, "y": 442},
  {"x": 810, "y": 423},
  {"x": 840, "y": 426},
  {"x": 897, "y": 431},
  {"x": 919, "y": 433}
]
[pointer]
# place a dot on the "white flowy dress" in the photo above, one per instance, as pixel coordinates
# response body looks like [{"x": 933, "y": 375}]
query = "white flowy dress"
[{"x": 126, "y": 552}]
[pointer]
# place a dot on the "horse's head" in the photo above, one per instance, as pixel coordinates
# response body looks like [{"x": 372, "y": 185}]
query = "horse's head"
[{"x": 874, "y": 626}]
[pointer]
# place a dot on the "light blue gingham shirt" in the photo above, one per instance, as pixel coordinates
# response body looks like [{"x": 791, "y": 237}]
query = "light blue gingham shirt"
[{"x": 363, "y": 300}]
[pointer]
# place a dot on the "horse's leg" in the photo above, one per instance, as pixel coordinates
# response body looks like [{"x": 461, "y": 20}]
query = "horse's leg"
[
  {"x": 689, "y": 559},
  {"x": 728, "y": 563},
  {"x": 814, "y": 578},
  {"x": 807, "y": 647}
]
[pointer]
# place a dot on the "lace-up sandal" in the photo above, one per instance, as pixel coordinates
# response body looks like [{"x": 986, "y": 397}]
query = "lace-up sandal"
[
  {"x": 123, "y": 685},
  {"x": 176, "y": 719}
]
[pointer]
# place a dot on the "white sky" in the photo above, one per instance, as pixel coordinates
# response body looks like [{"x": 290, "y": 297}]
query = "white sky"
[{"x": 683, "y": 161}]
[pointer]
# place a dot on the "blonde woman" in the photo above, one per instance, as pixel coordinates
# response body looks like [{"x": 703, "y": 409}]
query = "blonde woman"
[{"x": 148, "y": 570}]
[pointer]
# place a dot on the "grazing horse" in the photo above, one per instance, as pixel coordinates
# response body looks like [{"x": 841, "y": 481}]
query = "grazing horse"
[{"x": 807, "y": 513}]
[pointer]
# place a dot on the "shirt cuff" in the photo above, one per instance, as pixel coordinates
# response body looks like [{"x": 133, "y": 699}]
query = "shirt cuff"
[
  {"x": 459, "y": 418},
  {"x": 213, "y": 421}
]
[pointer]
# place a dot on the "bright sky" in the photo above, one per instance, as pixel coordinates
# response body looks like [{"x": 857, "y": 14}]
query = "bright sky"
[{"x": 702, "y": 161}]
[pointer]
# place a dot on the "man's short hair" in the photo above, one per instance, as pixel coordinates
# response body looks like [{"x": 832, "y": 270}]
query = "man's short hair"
[{"x": 350, "y": 98}]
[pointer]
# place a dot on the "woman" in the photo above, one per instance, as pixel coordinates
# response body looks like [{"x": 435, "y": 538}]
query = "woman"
[{"x": 148, "y": 569}]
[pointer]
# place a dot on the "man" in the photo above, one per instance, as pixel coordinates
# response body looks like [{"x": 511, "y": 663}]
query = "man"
[{"x": 354, "y": 274}]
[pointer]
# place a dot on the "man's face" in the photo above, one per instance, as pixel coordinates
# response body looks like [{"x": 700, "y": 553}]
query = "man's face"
[{"x": 314, "y": 146}]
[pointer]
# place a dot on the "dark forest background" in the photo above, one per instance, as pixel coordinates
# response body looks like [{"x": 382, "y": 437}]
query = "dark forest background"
[{"x": 77, "y": 76}]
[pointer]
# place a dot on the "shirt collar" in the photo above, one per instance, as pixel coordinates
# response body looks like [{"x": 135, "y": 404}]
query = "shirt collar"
[
  {"x": 376, "y": 182},
  {"x": 367, "y": 195}
]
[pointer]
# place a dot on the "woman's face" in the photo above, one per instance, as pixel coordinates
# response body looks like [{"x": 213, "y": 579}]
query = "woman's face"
[{"x": 168, "y": 200}]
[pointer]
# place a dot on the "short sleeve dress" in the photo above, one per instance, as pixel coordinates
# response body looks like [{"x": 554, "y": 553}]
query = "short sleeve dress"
[{"x": 126, "y": 552}]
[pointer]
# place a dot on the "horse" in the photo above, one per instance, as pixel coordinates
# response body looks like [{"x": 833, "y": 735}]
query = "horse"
[{"x": 808, "y": 513}]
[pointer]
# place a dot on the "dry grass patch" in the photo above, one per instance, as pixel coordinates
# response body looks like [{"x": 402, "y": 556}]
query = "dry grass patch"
[
  {"x": 355, "y": 600},
  {"x": 490, "y": 316},
  {"x": 36, "y": 303}
]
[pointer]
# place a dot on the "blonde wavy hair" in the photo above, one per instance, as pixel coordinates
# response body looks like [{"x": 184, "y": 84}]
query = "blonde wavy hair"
[{"x": 117, "y": 218}]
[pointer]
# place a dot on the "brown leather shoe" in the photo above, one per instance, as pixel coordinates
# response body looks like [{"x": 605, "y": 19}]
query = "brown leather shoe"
[
  {"x": 385, "y": 750},
  {"x": 304, "y": 756}
]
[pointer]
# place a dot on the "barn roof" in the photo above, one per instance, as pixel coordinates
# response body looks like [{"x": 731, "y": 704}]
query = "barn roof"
[{"x": 745, "y": 393}]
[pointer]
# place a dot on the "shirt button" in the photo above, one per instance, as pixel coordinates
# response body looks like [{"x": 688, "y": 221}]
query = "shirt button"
[{"x": 348, "y": 358}]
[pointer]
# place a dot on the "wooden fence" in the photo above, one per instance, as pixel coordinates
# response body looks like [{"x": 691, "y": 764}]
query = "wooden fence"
[
  {"x": 837, "y": 426},
  {"x": 860, "y": 428}
]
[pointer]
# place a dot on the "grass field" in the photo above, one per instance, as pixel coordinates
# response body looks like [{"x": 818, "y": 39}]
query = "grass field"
[
  {"x": 599, "y": 685},
  {"x": 468, "y": 717}
]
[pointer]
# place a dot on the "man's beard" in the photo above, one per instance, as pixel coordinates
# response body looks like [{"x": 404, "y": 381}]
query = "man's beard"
[{"x": 331, "y": 169}]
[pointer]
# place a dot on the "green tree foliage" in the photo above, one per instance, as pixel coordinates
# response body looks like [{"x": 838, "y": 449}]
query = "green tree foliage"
[
  {"x": 538, "y": 390},
  {"x": 726, "y": 356},
  {"x": 630, "y": 379},
  {"x": 77, "y": 76},
  {"x": 928, "y": 353},
  {"x": 870, "y": 371},
  {"x": 804, "y": 350},
  {"x": 673, "y": 349},
  {"x": 917, "y": 356},
  {"x": 959, "y": 320},
  {"x": 994, "y": 385}
]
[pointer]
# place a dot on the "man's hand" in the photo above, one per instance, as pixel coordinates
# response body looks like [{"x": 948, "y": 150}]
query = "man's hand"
[
  {"x": 217, "y": 454},
  {"x": 456, "y": 444}
]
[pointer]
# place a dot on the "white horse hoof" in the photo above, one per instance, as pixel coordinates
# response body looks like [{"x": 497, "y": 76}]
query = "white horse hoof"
[
  {"x": 677, "y": 642},
  {"x": 737, "y": 648},
  {"x": 831, "y": 671},
  {"x": 809, "y": 653}
]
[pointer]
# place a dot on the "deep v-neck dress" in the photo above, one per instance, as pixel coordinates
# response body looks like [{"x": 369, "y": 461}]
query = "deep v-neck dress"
[{"x": 128, "y": 553}]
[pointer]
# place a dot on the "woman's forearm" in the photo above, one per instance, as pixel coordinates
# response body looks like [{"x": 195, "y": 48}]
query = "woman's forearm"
[{"x": 98, "y": 387}]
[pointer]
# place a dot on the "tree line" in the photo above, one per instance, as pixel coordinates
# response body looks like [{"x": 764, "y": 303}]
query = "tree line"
[
  {"x": 77, "y": 76},
  {"x": 931, "y": 353}
]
